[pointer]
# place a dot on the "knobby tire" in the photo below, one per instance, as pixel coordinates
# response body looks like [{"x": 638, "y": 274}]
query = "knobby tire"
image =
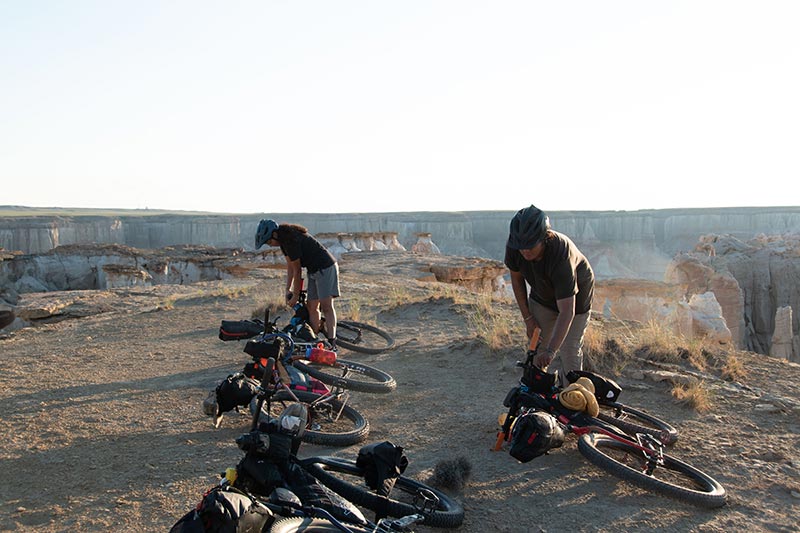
[
  {"x": 379, "y": 382},
  {"x": 352, "y": 426},
  {"x": 674, "y": 478},
  {"x": 633, "y": 421},
  {"x": 373, "y": 340},
  {"x": 345, "y": 478}
]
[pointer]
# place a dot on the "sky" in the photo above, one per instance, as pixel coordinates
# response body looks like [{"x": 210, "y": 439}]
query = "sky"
[{"x": 383, "y": 106}]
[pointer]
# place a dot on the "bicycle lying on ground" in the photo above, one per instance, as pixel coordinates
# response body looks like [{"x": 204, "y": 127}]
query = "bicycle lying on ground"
[
  {"x": 271, "y": 489},
  {"x": 313, "y": 358},
  {"x": 628, "y": 450},
  {"x": 355, "y": 336},
  {"x": 332, "y": 421}
]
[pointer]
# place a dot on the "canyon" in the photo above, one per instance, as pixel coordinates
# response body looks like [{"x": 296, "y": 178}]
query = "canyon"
[{"x": 649, "y": 264}]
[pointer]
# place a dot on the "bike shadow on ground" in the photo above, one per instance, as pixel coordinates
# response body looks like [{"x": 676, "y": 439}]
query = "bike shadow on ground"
[{"x": 56, "y": 398}]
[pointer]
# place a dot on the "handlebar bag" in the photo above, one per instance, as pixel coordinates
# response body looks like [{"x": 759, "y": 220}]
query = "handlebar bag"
[
  {"x": 261, "y": 349},
  {"x": 537, "y": 380},
  {"x": 235, "y": 390}
]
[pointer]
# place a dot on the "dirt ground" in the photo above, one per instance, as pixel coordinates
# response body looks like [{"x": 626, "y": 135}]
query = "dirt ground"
[{"x": 103, "y": 427}]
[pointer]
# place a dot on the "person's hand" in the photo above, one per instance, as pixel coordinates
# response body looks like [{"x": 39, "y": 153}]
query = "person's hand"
[{"x": 543, "y": 358}]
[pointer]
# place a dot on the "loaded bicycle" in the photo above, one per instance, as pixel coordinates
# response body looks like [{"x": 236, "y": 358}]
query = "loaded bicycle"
[
  {"x": 329, "y": 369},
  {"x": 314, "y": 358},
  {"x": 355, "y": 336},
  {"x": 271, "y": 489},
  {"x": 628, "y": 450},
  {"x": 332, "y": 420}
]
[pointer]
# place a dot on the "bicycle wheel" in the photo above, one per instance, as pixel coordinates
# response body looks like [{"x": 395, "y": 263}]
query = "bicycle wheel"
[
  {"x": 361, "y": 337},
  {"x": 349, "y": 375},
  {"x": 673, "y": 478},
  {"x": 331, "y": 423},
  {"x": 345, "y": 478},
  {"x": 633, "y": 421},
  {"x": 312, "y": 525}
]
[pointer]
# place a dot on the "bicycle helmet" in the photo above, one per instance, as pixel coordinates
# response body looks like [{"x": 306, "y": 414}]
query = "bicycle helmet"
[
  {"x": 264, "y": 232},
  {"x": 528, "y": 228}
]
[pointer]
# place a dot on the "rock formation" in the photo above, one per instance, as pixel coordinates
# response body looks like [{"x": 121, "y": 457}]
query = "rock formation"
[
  {"x": 664, "y": 304},
  {"x": 55, "y": 284},
  {"x": 751, "y": 280},
  {"x": 782, "y": 337},
  {"x": 425, "y": 245}
]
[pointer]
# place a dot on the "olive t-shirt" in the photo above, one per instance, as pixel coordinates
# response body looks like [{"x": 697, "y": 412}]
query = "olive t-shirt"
[
  {"x": 310, "y": 252},
  {"x": 563, "y": 272}
]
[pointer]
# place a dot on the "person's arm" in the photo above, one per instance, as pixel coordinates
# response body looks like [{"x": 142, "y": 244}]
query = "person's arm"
[
  {"x": 566, "y": 313},
  {"x": 520, "y": 288},
  {"x": 293, "y": 280}
]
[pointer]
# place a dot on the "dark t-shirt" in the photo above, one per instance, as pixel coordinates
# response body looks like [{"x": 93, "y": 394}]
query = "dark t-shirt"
[
  {"x": 310, "y": 252},
  {"x": 563, "y": 272}
]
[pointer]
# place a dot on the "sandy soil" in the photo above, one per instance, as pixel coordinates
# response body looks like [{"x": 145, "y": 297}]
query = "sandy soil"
[{"x": 103, "y": 427}]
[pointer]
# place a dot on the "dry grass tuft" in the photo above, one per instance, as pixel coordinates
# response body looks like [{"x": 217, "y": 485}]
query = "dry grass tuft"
[
  {"x": 493, "y": 325},
  {"x": 352, "y": 309},
  {"x": 732, "y": 368},
  {"x": 274, "y": 301},
  {"x": 398, "y": 296},
  {"x": 696, "y": 396}
]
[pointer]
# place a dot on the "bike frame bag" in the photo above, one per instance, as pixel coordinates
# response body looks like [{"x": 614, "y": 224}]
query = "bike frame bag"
[{"x": 234, "y": 330}]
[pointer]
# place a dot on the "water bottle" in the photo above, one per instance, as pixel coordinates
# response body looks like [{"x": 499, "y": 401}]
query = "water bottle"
[{"x": 320, "y": 355}]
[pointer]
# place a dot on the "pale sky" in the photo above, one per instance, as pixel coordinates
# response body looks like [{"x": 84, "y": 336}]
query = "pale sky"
[{"x": 369, "y": 106}]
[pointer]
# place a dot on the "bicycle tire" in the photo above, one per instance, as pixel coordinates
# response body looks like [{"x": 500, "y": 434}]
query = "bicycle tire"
[
  {"x": 351, "y": 428},
  {"x": 363, "y": 338},
  {"x": 680, "y": 480},
  {"x": 379, "y": 381},
  {"x": 312, "y": 525},
  {"x": 633, "y": 421},
  {"x": 346, "y": 479}
]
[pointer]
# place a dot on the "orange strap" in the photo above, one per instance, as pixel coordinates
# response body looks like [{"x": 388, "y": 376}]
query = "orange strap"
[{"x": 499, "y": 444}]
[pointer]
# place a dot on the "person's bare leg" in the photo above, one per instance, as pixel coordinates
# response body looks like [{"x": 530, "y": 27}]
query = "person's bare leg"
[
  {"x": 313, "y": 315},
  {"x": 330, "y": 316}
]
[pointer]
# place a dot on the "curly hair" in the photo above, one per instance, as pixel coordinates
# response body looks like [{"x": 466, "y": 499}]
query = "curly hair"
[{"x": 287, "y": 233}]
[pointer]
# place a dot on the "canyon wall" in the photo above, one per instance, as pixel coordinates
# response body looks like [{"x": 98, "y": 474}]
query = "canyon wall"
[
  {"x": 620, "y": 244},
  {"x": 750, "y": 285}
]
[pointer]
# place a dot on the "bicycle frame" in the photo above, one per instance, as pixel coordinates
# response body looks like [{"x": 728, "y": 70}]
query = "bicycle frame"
[
  {"x": 505, "y": 432},
  {"x": 271, "y": 381}
]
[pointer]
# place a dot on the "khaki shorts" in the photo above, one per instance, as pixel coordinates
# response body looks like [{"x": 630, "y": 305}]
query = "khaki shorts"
[{"x": 324, "y": 283}]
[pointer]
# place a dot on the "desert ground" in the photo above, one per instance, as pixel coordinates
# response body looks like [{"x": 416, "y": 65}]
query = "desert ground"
[{"x": 103, "y": 427}]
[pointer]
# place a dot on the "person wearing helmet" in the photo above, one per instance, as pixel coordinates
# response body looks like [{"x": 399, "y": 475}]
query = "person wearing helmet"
[
  {"x": 301, "y": 250},
  {"x": 561, "y": 284}
]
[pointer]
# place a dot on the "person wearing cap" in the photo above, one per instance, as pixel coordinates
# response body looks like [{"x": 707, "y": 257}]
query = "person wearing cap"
[
  {"x": 561, "y": 284},
  {"x": 301, "y": 250}
]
